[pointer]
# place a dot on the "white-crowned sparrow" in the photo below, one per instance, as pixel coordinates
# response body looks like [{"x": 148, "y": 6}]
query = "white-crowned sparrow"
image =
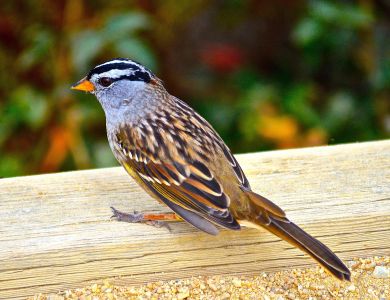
[{"x": 179, "y": 159}]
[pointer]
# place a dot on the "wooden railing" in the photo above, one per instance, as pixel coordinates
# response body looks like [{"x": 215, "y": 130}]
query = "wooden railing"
[{"x": 56, "y": 232}]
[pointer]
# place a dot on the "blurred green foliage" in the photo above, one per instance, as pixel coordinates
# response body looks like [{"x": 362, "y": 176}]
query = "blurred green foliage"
[{"x": 266, "y": 74}]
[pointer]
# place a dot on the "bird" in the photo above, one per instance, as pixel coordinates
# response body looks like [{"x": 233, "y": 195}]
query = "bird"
[{"x": 178, "y": 158}]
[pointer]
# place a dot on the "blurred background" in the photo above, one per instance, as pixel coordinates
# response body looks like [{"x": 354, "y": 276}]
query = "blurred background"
[{"x": 266, "y": 74}]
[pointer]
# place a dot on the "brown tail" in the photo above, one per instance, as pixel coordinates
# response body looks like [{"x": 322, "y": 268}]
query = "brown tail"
[
  {"x": 272, "y": 217},
  {"x": 291, "y": 233}
]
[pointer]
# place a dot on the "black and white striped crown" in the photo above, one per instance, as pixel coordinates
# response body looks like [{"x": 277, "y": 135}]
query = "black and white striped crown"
[{"x": 122, "y": 68}]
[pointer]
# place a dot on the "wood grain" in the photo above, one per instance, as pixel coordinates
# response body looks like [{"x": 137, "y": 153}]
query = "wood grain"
[{"x": 56, "y": 232}]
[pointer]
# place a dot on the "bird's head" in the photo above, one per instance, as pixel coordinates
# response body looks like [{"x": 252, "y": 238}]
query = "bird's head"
[{"x": 121, "y": 85}]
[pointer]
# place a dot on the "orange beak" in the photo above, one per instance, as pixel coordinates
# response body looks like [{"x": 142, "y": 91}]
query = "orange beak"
[{"x": 84, "y": 85}]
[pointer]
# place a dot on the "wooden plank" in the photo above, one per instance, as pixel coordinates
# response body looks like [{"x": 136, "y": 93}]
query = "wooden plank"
[{"x": 56, "y": 232}]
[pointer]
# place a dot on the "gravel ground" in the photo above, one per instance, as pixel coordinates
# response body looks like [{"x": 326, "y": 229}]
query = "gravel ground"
[{"x": 370, "y": 280}]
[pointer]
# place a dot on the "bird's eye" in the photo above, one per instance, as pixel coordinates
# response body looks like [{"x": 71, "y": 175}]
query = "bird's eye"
[{"x": 105, "y": 81}]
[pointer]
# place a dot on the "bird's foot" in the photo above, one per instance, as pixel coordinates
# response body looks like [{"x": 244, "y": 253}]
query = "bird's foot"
[
  {"x": 156, "y": 220},
  {"x": 135, "y": 217}
]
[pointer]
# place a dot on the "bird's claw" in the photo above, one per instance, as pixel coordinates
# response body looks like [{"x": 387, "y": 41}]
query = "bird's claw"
[
  {"x": 135, "y": 217},
  {"x": 159, "y": 224}
]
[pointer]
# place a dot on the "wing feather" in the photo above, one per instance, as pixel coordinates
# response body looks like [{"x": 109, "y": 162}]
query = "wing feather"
[
  {"x": 191, "y": 187},
  {"x": 176, "y": 167}
]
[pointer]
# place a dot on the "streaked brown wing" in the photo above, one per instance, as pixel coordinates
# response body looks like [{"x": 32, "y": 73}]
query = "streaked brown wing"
[
  {"x": 236, "y": 167},
  {"x": 204, "y": 129},
  {"x": 191, "y": 186},
  {"x": 173, "y": 153}
]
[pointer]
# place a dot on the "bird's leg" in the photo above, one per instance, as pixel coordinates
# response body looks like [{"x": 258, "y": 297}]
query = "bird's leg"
[{"x": 157, "y": 219}]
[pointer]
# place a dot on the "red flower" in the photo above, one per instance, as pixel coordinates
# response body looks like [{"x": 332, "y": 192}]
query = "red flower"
[{"x": 222, "y": 57}]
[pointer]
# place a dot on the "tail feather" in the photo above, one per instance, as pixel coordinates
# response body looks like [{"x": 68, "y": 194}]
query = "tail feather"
[{"x": 296, "y": 236}]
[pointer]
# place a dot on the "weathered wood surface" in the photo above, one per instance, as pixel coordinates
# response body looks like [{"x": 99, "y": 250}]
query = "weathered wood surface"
[{"x": 56, "y": 232}]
